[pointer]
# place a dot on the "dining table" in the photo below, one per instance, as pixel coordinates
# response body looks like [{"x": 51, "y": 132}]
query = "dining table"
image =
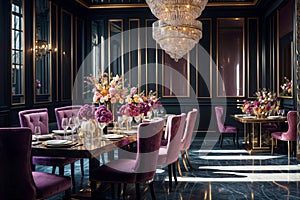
[
  {"x": 90, "y": 147},
  {"x": 256, "y": 139}
]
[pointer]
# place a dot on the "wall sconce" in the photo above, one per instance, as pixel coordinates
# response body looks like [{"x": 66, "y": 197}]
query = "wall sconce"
[{"x": 42, "y": 48}]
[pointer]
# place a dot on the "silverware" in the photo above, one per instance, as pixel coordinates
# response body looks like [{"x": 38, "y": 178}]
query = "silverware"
[{"x": 77, "y": 145}]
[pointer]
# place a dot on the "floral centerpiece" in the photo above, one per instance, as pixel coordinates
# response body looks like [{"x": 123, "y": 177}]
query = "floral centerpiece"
[
  {"x": 106, "y": 90},
  {"x": 86, "y": 112},
  {"x": 286, "y": 87},
  {"x": 129, "y": 109},
  {"x": 103, "y": 115},
  {"x": 264, "y": 105}
]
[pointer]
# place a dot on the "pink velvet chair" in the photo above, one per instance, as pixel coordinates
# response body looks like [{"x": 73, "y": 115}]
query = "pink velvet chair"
[
  {"x": 143, "y": 167},
  {"x": 168, "y": 155},
  {"x": 17, "y": 181},
  {"x": 225, "y": 129},
  {"x": 39, "y": 117},
  {"x": 187, "y": 139},
  {"x": 290, "y": 135},
  {"x": 67, "y": 112}
]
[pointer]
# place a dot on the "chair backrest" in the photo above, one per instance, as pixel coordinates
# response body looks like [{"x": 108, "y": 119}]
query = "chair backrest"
[
  {"x": 149, "y": 137},
  {"x": 189, "y": 128},
  {"x": 16, "y": 181},
  {"x": 291, "y": 134},
  {"x": 65, "y": 112},
  {"x": 219, "y": 116},
  {"x": 175, "y": 128},
  {"x": 35, "y": 117}
]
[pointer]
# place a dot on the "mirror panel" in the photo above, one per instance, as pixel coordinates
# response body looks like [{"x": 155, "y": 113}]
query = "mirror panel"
[
  {"x": 285, "y": 42},
  {"x": 17, "y": 52},
  {"x": 230, "y": 57},
  {"x": 115, "y": 47},
  {"x": 42, "y": 69}
]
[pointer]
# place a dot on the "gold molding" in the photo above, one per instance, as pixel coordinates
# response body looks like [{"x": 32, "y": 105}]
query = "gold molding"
[
  {"x": 146, "y": 52},
  {"x": 188, "y": 76},
  {"x": 257, "y": 54},
  {"x": 210, "y": 62},
  {"x": 62, "y": 53},
  {"x": 144, "y": 5},
  {"x": 122, "y": 47},
  {"x": 217, "y": 57},
  {"x": 139, "y": 51},
  {"x": 23, "y": 55},
  {"x": 56, "y": 43}
]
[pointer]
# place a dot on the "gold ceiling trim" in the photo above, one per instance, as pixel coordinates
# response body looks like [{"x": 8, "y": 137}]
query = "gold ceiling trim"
[{"x": 144, "y": 5}]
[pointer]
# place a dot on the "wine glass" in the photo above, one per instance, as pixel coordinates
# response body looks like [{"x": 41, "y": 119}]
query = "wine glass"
[
  {"x": 65, "y": 125},
  {"x": 72, "y": 126},
  {"x": 120, "y": 122},
  {"x": 278, "y": 112},
  {"x": 101, "y": 126},
  {"x": 282, "y": 112},
  {"x": 37, "y": 132},
  {"x": 137, "y": 119},
  {"x": 129, "y": 122},
  {"x": 77, "y": 123},
  {"x": 155, "y": 113}
]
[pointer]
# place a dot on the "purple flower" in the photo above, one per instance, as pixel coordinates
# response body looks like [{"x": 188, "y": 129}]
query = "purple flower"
[
  {"x": 133, "y": 90},
  {"x": 86, "y": 112},
  {"x": 102, "y": 114},
  {"x": 144, "y": 108}
]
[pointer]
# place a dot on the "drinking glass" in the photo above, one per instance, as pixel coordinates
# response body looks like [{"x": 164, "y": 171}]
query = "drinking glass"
[
  {"x": 120, "y": 122},
  {"x": 65, "y": 125},
  {"x": 72, "y": 126},
  {"x": 77, "y": 123},
  {"x": 37, "y": 132},
  {"x": 101, "y": 126},
  {"x": 282, "y": 112},
  {"x": 278, "y": 112},
  {"x": 137, "y": 119},
  {"x": 155, "y": 113},
  {"x": 129, "y": 122}
]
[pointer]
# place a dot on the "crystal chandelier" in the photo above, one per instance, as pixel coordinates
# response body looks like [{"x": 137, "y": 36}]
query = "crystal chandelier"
[
  {"x": 177, "y": 12},
  {"x": 177, "y": 40}
]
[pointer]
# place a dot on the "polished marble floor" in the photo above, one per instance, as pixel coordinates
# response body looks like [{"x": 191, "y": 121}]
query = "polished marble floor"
[{"x": 219, "y": 173}]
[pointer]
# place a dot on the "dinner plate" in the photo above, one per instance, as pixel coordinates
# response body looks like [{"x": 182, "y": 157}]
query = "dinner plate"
[
  {"x": 61, "y": 132},
  {"x": 273, "y": 117},
  {"x": 130, "y": 132},
  {"x": 249, "y": 117},
  {"x": 59, "y": 143},
  {"x": 239, "y": 115},
  {"x": 112, "y": 136},
  {"x": 44, "y": 137}
]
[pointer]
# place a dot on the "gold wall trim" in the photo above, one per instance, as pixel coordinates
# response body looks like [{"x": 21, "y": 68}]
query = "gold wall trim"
[
  {"x": 217, "y": 58},
  {"x": 122, "y": 46},
  {"x": 139, "y": 50},
  {"x": 56, "y": 43},
  {"x": 62, "y": 52},
  {"x": 210, "y": 62},
  {"x": 144, "y": 5},
  {"x": 257, "y": 54}
]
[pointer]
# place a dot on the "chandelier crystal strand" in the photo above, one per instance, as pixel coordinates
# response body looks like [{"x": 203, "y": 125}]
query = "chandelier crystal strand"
[
  {"x": 177, "y": 12},
  {"x": 177, "y": 40}
]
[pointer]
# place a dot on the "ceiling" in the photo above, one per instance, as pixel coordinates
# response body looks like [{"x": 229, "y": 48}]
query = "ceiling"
[{"x": 142, "y": 3}]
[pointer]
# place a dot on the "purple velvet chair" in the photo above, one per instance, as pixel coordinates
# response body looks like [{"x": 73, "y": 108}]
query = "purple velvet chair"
[
  {"x": 17, "y": 181},
  {"x": 142, "y": 168},
  {"x": 187, "y": 139},
  {"x": 39, "y": 117},
  {"x": 290, "y": 135},
  {"x": 67, "y": 112},
  {"x": 168, "y": 155},
  {"x": 224, "y": 129}
]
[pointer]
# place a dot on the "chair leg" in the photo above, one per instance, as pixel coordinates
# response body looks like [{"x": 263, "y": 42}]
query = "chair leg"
[
  {"x": 67, "y": 194},
  {"x": 188, "y": 158},
  {"x": 272, "y": 147},
  {"x": 73, "y": 173},
  {"x": 221, "y": 141},
  {"x": 61, "y": 170},
  {"x": 112, "y": 190},
  {"x": 137, "y": 191},
  {"x": 179, "y": 168},
  {"x": 289, "y": 148},
  {"x": 152, "y": 190},
  {"x": 82, "y": 166},
  {"x": 53, "y": 169},
  {"x": 124, "y": 190},
  {"x": 184, "y": 163},
  {"x": 174, "y": 172},
  {"x": 170, "y": 177}
]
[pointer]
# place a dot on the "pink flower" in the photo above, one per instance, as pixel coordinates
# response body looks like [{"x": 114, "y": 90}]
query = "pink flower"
[
  {"x": 133, "y": 90},
  {"x": 112, "y": 91}
]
